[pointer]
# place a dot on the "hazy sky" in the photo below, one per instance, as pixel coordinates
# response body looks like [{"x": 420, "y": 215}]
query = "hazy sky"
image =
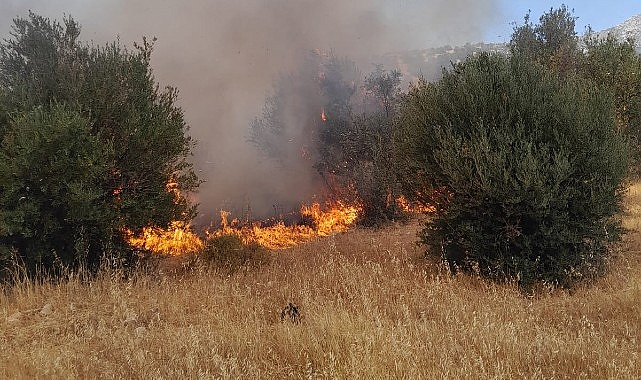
[
  {"x": 599, "y": 14},
  {"x": 223, "y": 56}
]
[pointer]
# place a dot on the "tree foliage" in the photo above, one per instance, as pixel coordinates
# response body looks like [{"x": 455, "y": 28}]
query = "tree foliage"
[
  {"x": 617, "y": 66},
  {"x": 89, "y": 142},
  {"x": 552, "y": 42},
  {"x": 526, "y": 170},
  {"x": 607, "y": 61}
]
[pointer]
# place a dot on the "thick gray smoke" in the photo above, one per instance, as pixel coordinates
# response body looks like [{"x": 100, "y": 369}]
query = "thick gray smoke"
[{"x": 223, "y": 55}]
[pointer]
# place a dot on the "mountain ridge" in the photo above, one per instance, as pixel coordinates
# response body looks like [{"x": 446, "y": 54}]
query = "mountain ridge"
[{"x": 630, "y": 28}]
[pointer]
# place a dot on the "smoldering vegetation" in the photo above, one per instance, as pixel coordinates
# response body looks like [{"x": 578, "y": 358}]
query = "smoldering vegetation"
[{"x": 225, "y": 58}]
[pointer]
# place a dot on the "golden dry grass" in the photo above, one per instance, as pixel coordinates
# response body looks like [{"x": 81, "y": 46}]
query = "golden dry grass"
[{"x": 371, "y": 307}]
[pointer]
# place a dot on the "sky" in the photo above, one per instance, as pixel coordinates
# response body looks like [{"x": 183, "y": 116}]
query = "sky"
[
  {"x": 599, "y": 14},
  {"x": 224, "y": 56}
]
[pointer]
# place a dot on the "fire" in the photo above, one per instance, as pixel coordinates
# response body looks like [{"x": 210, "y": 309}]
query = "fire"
[
  {"x": 337, "y": 217},
  {"x": 323, "y": 115},
  {"x": 178, "y": 239},
  {"x": 413, "y": 208}
]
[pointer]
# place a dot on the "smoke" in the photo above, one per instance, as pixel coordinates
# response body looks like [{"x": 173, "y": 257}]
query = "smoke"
[{"x": 223, "y": 56}]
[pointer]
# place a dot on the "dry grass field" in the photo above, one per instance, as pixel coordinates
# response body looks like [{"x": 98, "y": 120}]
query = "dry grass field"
[{"x": 370, "y": 307}]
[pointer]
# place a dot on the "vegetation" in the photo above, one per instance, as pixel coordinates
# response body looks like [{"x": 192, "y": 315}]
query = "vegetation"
[
  {"x": 523, "y": 159},
  {"x": 314, "y": 112},
  {"x": 91, "y": 147},
  {"x": 229, "y": 252},
  {"x": 526, "y": 170},
  {"x": 553, "y": 43},
  {"x": 371, "y": 307},
  {"x": 617, "y": 66}
]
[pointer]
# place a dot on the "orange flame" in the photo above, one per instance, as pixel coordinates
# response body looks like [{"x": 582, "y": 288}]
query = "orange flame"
[
  {"x": 178, "y": 239},
  {"x": 323, "y": 115},
  {"x": 413, "y": 208},
  {"x": 338, "y": 217}
]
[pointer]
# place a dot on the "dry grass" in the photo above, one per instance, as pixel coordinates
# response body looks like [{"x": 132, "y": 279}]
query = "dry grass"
[{"x": 371, "y": 307}]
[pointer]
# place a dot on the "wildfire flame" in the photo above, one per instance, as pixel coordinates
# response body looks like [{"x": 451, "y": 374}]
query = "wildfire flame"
[
  {"x": 323, "y": 115},
  {"x": 178, "y": 239},
  {"x": 337, "y": 217},
  {"x": 413, "y": 208}
]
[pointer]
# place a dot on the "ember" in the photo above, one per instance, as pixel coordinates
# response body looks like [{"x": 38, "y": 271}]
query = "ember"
[{"x": 413, "y": 208}]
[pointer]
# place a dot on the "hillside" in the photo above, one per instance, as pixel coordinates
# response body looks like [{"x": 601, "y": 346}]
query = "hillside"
[
  {"x": 630, "y": 28},
  {"x": 429, "y": 62}
]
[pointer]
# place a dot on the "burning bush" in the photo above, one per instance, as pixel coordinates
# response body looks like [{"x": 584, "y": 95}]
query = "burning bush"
[
  {"x": 89, "y": 144},
  {"x": 327, "y": 121}
]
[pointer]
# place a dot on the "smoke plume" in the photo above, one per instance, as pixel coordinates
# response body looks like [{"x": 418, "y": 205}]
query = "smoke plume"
[{"x": 223, "y": 56}]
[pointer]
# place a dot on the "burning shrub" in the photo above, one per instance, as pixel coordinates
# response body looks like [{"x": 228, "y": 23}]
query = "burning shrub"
[
  {"x": 309, "y": 124},
  {"x": 229, "y": 252},
  {"x": 89, "y": 144},
  {"x": 530, "y": 170}
]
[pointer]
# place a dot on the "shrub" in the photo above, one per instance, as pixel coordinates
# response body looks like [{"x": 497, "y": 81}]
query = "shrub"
[
  {"x": 526, "y": 171},
  {"x": 230, "y": 253},
  {"x": 91, "y": 147}
]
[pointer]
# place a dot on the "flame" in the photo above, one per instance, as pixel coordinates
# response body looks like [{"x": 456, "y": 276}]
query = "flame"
[
  {"x": 338, "y": 217},
  {"x": 413, "y": 208},
  {"x": 178, "y": 239},
  {"x": 323, "y": 115}
]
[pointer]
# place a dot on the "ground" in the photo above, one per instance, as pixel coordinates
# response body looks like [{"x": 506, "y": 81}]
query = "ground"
[{"x": 371, "y": 306}]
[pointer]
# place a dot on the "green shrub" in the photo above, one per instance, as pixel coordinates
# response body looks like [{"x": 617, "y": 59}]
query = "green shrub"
[
  {"x": 89, "y": 144},
  {"x": 526, "y": 171},
  {"x": 229, "y": 252}
]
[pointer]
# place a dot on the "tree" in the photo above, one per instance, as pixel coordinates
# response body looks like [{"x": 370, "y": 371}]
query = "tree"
[
  {"x": 369, "y": 146},
  {"x": 103, "y": 98},
  {"x": 384, "y": 86},
  {"x": 552, "y": 42},
  {"x": 617, "y": 66},
  {"x": 526, "y": 170},
  {"x": 53, "y": 207},
  {"x": 306, "y": 118},
  {"x": 350, "y": 150}
]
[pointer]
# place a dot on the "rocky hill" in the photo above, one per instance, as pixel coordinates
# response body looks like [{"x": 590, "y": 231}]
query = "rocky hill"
[
  {"x": 429, "y": 63},
  {"x": 630, "y": 28}
]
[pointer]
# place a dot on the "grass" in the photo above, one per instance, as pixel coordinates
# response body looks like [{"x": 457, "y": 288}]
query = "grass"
[{"x": 371, "y": 307}]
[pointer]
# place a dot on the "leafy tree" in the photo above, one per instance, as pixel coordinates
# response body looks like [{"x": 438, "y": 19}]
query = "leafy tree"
[
  {"x": 313, "y": 111},
  {"x": 525, "y": 170},
  {"x": 369, "y": 145},
  {"x": 52, "y": 204},
  {"x": 306, "y": 119},
  {"x": 552, "y": 42},
  {"x": 384, "y": 86},
  {"x": 290, "y": 118},
  {"x": 104, "y": 98},
  {"x": 339, "y": 85},
  {"x": 617, "y": 66}
]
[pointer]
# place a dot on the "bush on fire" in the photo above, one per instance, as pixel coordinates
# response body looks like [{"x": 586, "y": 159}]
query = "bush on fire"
[
  {"x": 526, "y": 170},
  {"x": 89, "y": 144}
]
